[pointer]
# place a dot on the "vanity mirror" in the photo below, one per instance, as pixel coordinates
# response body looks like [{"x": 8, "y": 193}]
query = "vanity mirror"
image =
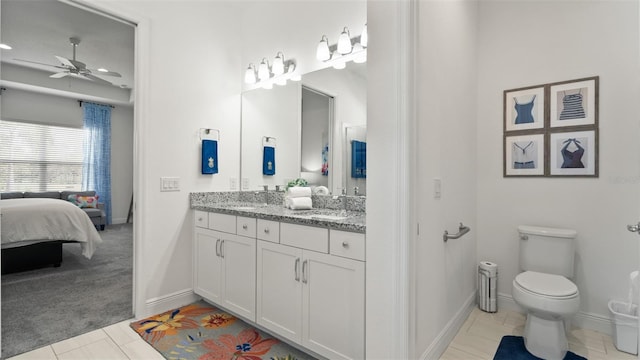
[{"x": 314, "y": 123}]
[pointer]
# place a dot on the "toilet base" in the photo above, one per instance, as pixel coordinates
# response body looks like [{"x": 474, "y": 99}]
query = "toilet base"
[{"x": 545, "y": 338}]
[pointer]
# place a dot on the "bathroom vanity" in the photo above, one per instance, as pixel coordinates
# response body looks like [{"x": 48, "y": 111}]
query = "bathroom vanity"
[{"x": 298, "y": 274}]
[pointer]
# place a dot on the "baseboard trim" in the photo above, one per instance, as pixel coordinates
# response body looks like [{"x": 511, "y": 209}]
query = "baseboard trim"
[
  {"x": 167, "y": 302},
  {"x": 115, "y": 221},
  {"x": 597, "y": 322},
  {"x": 444, "y": 338}
]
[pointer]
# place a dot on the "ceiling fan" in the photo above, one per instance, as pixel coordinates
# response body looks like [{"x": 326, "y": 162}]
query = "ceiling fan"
[{"x": 73, "y": 67}]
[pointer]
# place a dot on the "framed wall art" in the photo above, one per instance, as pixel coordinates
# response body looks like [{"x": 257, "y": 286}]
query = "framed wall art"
[
  {"x": 574, "y": 103},
  {"x": 573, "y": 153},
  {"x": 524, "y": 108},
  {"x": 524, "y": 155}
]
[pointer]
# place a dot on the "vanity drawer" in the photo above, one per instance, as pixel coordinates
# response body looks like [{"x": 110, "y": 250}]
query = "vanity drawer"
[
  {"x": 269, "y": 230},
  {"x": 305, "y": 237},
  {"x": 246, "y": 226},
  {"x": 222, "y": 222},
  {"x": 201, "y": 219},
  {"x": 347, "y": 244}
]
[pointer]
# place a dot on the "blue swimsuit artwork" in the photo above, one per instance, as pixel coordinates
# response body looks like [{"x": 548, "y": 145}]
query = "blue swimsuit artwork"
[{"x": 524, "y": 115}]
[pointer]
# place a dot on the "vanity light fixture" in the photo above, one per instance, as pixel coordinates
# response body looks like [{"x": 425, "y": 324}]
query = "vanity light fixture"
[
  {"x": 263, "y": 70},
  {"x": 344, "y": 42},
  {"x": 250, "y": 75},
  {"x": 347, "y": 49},
  {"x": 322, "y": 52},
  {"x": 266, "y": 76}
]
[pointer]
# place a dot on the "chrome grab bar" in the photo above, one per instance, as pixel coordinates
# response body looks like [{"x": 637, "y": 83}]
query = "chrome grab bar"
[{"x": 461, "y": 231}]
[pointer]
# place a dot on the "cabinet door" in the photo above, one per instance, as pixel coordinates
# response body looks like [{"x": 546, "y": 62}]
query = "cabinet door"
[
  {"x": 239, "y": 271},
  {"x": 279, "y": 297},
  {"x": 333, "y": 306},
  {"x": 207, "y": 264}
]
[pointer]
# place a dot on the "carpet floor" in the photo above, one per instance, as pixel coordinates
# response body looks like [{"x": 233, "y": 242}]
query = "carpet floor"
[
  {"x": 47, "y": 305},
  {"x": 204, "y": 332}
]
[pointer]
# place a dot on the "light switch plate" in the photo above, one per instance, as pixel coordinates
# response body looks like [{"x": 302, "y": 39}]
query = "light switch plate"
[
  {"x": 169, "y": 183},
  {"x": 437, "y": 188}
]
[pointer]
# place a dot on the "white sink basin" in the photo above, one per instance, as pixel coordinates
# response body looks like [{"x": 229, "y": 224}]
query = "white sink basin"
[{"x": 327, "y": 217}]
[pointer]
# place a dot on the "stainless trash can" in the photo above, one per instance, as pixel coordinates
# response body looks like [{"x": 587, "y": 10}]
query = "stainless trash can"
[{"x": 487, "y": 286}]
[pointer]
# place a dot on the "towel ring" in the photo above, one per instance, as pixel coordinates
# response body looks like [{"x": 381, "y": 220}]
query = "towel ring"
[
  {"x": 269, "y": 141},
  {"x": 209, "y": 134}
]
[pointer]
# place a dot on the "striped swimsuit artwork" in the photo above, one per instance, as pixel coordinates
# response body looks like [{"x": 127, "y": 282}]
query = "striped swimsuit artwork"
[{"x": 572, "y": 107}]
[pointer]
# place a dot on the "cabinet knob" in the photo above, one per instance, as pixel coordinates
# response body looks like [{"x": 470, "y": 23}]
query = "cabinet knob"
[
  {"x": 266, "y": 230},
  {"x": 345, "y": 244},
  {"x": 200, "y": 219},
  {"x": 244, "y": 227}
]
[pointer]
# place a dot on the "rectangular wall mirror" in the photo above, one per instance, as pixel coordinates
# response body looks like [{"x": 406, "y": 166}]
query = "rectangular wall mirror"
[{"x": 314, "y": 123}]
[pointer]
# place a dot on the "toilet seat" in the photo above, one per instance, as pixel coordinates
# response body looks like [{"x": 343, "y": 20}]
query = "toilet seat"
[{"x": 546, "y": 285}]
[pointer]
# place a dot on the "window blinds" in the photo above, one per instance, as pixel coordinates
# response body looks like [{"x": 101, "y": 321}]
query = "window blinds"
[{"x": 36, "y": 157}]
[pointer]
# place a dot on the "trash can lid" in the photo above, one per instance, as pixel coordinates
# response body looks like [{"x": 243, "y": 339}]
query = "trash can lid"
[{"x": 546, "y": 284}]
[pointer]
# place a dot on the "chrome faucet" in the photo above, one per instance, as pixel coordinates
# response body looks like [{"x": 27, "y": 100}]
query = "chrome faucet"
[{"x": 344, "y": 199}]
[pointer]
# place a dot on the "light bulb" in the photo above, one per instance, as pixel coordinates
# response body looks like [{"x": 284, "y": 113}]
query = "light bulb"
[
  {"x": 344, "y": 42},
  {"x": 5, "y": 47},
  {"x": 359, "y": 54},
  {"x": 278, "y": 64},
  {"x": 364, "y": 38},
  {"x": 322, "y": 52},
  {"x": 263, "y": 70},
  {"x": 281, "y": 81},
  {"x": 338, "y": 61},
  {"x": 250, "y": 75}
]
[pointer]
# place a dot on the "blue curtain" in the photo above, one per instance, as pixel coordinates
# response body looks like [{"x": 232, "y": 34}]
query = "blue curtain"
[{"x": 96, "y": 169}]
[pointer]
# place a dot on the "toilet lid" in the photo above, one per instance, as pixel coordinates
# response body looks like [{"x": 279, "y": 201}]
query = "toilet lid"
[{"x": 546, "y": 284}]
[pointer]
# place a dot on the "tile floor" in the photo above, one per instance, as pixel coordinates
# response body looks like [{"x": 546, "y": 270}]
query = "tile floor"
[
  {"x": 481, "y": 333},
  {"x": 477, "y": 339}
]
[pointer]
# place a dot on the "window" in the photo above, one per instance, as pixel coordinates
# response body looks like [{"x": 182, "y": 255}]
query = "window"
[{"x": 36, "y": 157}]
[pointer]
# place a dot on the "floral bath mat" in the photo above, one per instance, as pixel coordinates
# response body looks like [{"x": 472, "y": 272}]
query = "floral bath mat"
[{"x": 201, "y": 331}]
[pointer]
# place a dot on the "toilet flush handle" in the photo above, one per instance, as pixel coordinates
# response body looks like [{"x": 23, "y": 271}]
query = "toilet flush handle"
[{"x": 634, "y": 228}]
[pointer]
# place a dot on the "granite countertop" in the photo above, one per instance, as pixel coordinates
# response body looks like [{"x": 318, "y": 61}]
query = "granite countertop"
[{"x": 334, "y": 219}]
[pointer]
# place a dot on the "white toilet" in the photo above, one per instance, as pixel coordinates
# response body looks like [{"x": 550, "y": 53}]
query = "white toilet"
[{"x": 544, "y": 290}]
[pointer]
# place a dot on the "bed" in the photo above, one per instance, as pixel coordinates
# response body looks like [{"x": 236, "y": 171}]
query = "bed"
[{"x": 34, "y": 229}]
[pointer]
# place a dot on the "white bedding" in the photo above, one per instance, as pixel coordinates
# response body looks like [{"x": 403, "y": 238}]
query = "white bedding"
[{"x": 32, "y": 220}]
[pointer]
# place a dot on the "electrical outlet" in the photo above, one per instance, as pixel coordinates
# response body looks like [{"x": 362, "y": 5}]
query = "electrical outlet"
[
  {"x": 169, "y": 183},
  {"x": 245, "y": 183},
  {"x": 233, "y": 184}
]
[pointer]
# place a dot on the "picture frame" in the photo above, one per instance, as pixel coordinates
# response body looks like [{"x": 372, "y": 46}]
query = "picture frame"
[
  {"x": 524, "y": 108},
  {"x": 574, "y": 103},
  {"x": 573, "y": 153},
  {"x": 524, "y": 155}
]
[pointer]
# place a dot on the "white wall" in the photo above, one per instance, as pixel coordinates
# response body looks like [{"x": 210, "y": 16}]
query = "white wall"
[
  {"x": 28, "y": 106},
  {"x": 194, "y": 77},
  {"x": 525, "y": 43},
  {"x": 444, "y": 278}
]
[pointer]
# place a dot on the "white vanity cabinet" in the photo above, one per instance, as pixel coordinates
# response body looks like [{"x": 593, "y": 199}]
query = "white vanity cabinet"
[
  {"x": 309, "y": 296},
  {"x": 224, "y": 263}
]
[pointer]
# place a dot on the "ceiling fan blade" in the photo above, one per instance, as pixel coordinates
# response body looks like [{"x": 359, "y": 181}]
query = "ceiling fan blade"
[
  {"x": 96, "y": 79},
  {"x": 39, "y": 63},
  {"x": 108, "y": 73},
  {"x": 66, "y": 62},
  {"x": 59, "y": 75}
]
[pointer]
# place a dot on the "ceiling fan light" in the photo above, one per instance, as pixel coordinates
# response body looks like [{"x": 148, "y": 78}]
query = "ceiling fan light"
[
  {"x": 322, "y": 52},
  {"x": 263, "y": 70},
  {"x": 250, "y": 75},
  {"x": 344, "y": 42},
  {"x": 5, "y": 47},
  {"x": 364, "y": 38},
  {"x": 278, "y": 64}
]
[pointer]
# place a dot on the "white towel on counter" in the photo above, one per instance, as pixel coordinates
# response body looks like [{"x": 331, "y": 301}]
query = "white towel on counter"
[
  {"x": 299, "y": 203},
  {"x": 299, "y": 191},
  {"x": 321, "y": 190}
]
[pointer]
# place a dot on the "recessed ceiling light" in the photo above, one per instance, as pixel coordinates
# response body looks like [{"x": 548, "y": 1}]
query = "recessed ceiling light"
[
  {"x": 5, "y": 47},
  {"x": 103, "y": 70}
]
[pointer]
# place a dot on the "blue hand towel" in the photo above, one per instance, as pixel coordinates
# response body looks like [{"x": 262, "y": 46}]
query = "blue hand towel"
[
  {"x": 209, "y": 157},
  {"x": 269, "y": 161},
  {"x": 358, "y": 159}
]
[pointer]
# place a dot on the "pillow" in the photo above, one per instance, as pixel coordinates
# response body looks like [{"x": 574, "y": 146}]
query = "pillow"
[{"x": 84, "y": 201}]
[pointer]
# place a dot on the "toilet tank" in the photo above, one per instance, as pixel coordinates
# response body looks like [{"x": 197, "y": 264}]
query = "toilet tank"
[{"x": 547, "y": 250}]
